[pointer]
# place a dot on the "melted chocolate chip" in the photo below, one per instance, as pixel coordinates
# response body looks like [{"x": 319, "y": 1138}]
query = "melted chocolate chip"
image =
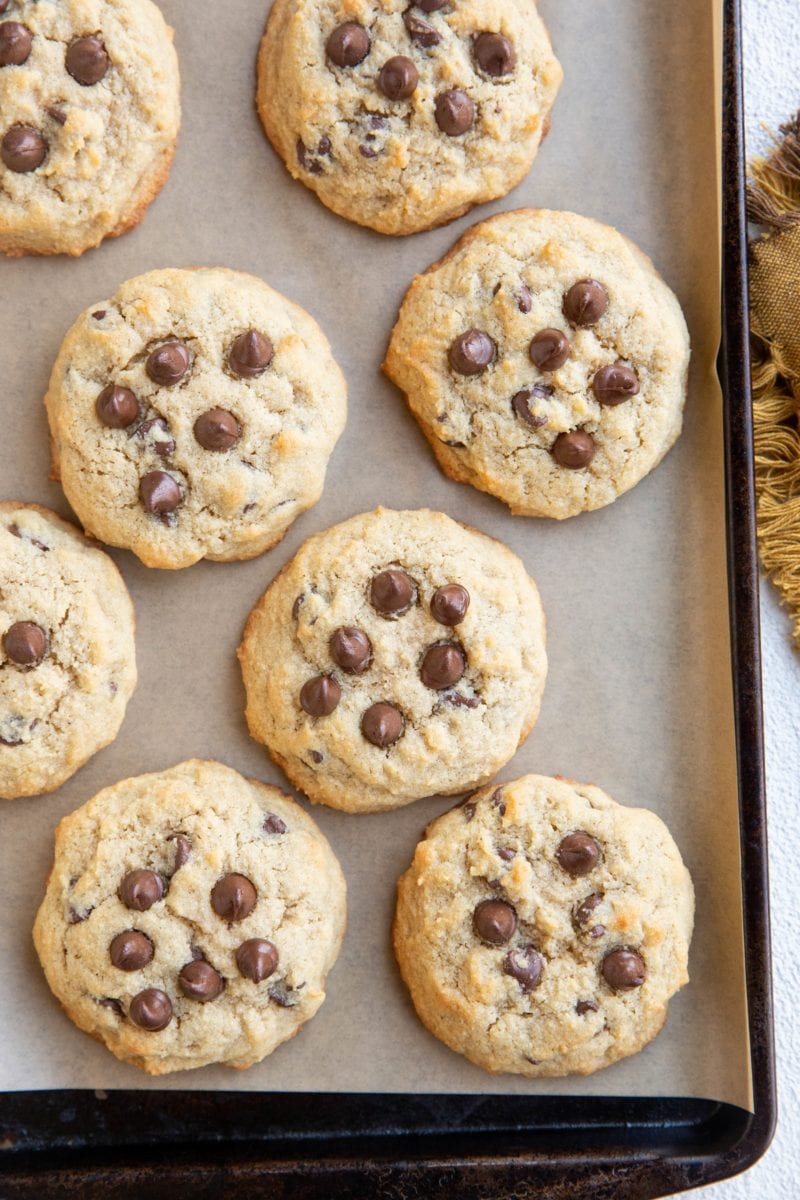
[
  {"x": 87, "y": 61},
  {"x": 183, "y": 849},
  {"x": 392, "y": 592},
  {"x": 585, "y": 302},
  {"x": 250, "y": 354},
  {"x": 524, "y": 299},
  {"x": 131, "y": 950},
  {"x": 114, "y": 1005},
  {"x": 257, "y": 959},
  {"x": 524, "y": 964},
  {"x": 117, "y": 407},
  {"x": 320, "y": 695},
  {"x": 455, "y": 112},
  {"x": 168, "y": 363},
  {"x": 60, "y": 118},
  {"x": 348, "y": 45},
  {"x": 273, "y": 824},
  {"x": 614, "y": 384},
  {"x": 442, "y": 666},
  {"x": 198, "y": 980},
  {"x": 15, "y": 44},
  {"x": 283, "y": 994},
  {"x": 159, "y": 492},
  {"x": 623, "y": 969},
  {"x": 398, "y": 78},
  {"x": 494, "y": 54},
  {"x": 494, "y": 921},
  {"x": 141, "y": 889},
  {"x": 549, "y": 349},
  {"x": 449, "y": 604},
  {"x": 471, "y": 352},
  {"x": 25, "y": 643},
  {"x": 506, "y": 853},
  {"x": 151, "y": 1010},
  {"x": 217, "y": 429},
  {"x": 584, "y": 1006},
  {"x": 520, "y": 404},
  {"x": 382, "y": 724},
  {"x": 578, "y": 853},
  {"x": 420, "y": 32},
  {"x": 583, "y": 913},
  {"x": 351, "y": 649},
  {"x": 23, "y": 149},
  {"x": 233, "y": 897},
  {"x": 574, "y": 450}
]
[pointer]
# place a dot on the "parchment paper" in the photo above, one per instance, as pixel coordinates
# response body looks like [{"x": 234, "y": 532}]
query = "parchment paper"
[{"x": 639, "y": 696}]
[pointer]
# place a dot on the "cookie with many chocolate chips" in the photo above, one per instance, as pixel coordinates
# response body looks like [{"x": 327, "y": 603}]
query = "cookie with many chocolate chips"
[
  {"x": 402, "y": 117},
  {"x": 397, "y": 655},
  {"x": 192, "y": 416},
  {"x": 191, "y": 917},
  {"x": 542, "y": 928},
  {"x": 89, "y": 115},
  {"x": 545, "y": 360},
  {"x": 67, "y": 656}
]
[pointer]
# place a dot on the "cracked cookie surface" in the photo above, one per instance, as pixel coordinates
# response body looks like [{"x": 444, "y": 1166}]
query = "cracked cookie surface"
[
  {"x": 542, "y": 928},
  {"x": 67, "y": 655},
  {"x": 193, "y": 415},
  {"x": 397, "y": 655},
  {"x": 545, "y": 360},
  {"x": 399, "y": 116},
  {"x": 90, "y": 103},
  {"x": 191, "y": 917}
]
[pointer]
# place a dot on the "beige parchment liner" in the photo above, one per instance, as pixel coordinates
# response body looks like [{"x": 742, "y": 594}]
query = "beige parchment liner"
[{"x": 638, "y": 699}]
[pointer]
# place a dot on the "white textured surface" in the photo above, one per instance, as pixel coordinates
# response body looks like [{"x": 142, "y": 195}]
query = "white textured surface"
[{"x": 772, "y": 91}]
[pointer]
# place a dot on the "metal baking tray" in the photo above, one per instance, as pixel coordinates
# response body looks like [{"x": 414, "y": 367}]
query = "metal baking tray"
[{"x": 128, "y": 1143}]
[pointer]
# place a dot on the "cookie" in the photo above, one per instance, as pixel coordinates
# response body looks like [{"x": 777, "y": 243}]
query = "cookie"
[
  {"x": 542, "y": 928},
  {"x": 90, "y": 103},
  {"x": 402, "y": 117},
  {"x": 67, "y": 656},
  {"x": 191, "y": 917},
  {"x": 545, "y": 360},
  {"x": 397, "y": 655},
  {"x": 192, "y": 416}
]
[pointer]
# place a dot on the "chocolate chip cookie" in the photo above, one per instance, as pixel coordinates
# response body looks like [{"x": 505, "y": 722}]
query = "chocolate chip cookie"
[
  {"x": 542, "y": 928},
  {"x": 90, "y": 104},
  {"x": 191, "y": 917},
  {"x": 67, "y": 657},
  {"x": 192, "y": 416},
  {"x": 402, "y": 116},
  {"x": 397, "y": 655},
  {"x": 545, "y": 361}
]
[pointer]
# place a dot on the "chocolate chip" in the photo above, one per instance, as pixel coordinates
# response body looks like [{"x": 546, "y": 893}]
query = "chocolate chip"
[
  {"x": 114, "y": 1005},
  {"x": 494, "y": 54},
  {"x": 524, "y": 299},
  {"x": 23, "y": 149},
  {"x": 597, "y": 931},
  {"x": 156, "y": 432},
  {"x": 320, "y": 695},
  {"x": 382, "y": 724},
  {"x": 283, "y": 994},
  {"x": 578, "y": 853},
  {"x": 4, "y": 6},
  {"x": 75, "y": 917},
  {"x": 257, "y": 959},
  {"x": 524, "y": 963},
  {"x": 87, "y": 61},
  {"x": 151, "y": 1010},
  {"x": 250, "y": 354},
  {"x": 198, "y": 980},
  {"x": 449, "y": 604},
  {"x": 325, "y": 145},
  {"x": 368, "y": 151},
  {"x": 316, "y": 757},
  {"x": 60, "y": 118},
  {"x": 584, "y": 1006},
  {"x": 101, "y": 312},
  {"x": 442, "y": 666},
  {"x": 25, "y": 643},
  {"x": 298, "y": 603},
  {"x": 549, "y": 349},
  {"x": 614, "y": 384},
  {"x": 141, "y": 889},
  {"x": 273, "y": 824},
  {"x": 623, "y": 969},
  {"x": 131, "y": 950},
  {"x": 17, "y": 532},
  {"x": 392, "y": 592},
  {"x": 585, "y": 302},
  {"x": 455, "y": 112},
  {"x": 348, "y": 45},
  {"x": 470, "y": 809},
  {"x": 168, "y": 363},
  {"x": 430, "y": 6},
  {"x": 494, "y": 921},
  {"x": 583, "y": 913},
  {"x": 398, "y": 78},
  {"x": 471, "y": 352},
  {"x": 574, "y": 450},
  {"x": 15, "y": 43},
  {"x": 217, "y": 429},
  {"x": 506, "y": 853},
  {"x": 351, "y": 649},
  {"x": 233, "y": 897},
  {"x": 117, "y": 407},
  {"x": 498, "y": 801},
  {"x": 420, "y": 31},
  {"x": 459, "y": 700},
  {"x": 183, "y": 848},
  {"x": 520, "y": 403},
  {"x": 159, "y": 492}
]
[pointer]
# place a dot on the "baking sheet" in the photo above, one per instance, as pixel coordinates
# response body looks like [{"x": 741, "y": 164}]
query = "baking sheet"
[{"x": 638, "y": 698}]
